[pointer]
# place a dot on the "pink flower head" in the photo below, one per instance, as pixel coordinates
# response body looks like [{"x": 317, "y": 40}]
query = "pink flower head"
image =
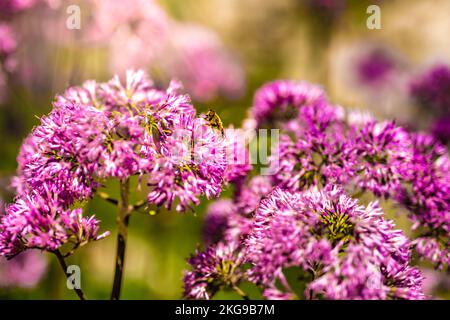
[
  {"x": 33, "y": 222},
  {"x": 215, "y": 268}
]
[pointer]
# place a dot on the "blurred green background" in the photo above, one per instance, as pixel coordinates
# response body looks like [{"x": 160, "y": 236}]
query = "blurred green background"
[{"x": 271, "y": 39}]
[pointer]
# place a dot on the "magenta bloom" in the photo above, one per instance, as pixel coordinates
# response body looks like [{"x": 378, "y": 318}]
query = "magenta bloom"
[
  {"x": 320, "y": 145},
  {"x": 440, "y": 128},
  {"x": 8, "y": 43},
  {"x": 237, "y": 153},
  {"x": 118, "y": 130},
  {"x": 329, "y": 149},
  {"x": 320, "y": 153},
  {"x": 216, "y": 220},
  {"x": 251, "y": 194},
  {"x": 280, "y": 101},
  {"x": 240, "y": 219},
  {"x": 186, "y": 172},
  {"x": 33, "y": 222},
  {"x": 198, "y": 58},
  {"x": 8, "y": 46},
  {"x": 432, "y": 89},
  {"x": 376, "y": 68},
  {"x": 384, "y": 152},
  {"x": 327, "y": 7},
  {"x": 110, "y": 130},
  {"x": 428, "y": 199},
  {"x": 343, "y": 250},
  {"x": 322, "y": 241},
  {"x": 188, "y": 52},
  {"x": 302, "y": 236},
  {"x": 13, "y": 6},
  {"x": 61, "y": 154}
]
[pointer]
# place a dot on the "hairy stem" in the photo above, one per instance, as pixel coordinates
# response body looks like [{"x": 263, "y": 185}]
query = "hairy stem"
[
  {"x": 124, "y": 210},
  {"x": 63, "y": 265}
]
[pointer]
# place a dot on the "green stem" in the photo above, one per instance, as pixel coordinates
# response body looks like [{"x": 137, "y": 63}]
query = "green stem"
[
  {"x": 106, "y": 197},
  {"x": 124, "y": 210},
  {"x": 63, "y": 265}
]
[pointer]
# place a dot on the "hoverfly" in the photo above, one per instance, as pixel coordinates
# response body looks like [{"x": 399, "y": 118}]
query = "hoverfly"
[{"x": 214, "y": 121}]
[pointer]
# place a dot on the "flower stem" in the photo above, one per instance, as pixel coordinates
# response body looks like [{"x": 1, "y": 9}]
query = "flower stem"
[
  {"x": 106, "y": 197},
  {"x": 123, "y": 216},
  {"x": 63, "y": 265}
]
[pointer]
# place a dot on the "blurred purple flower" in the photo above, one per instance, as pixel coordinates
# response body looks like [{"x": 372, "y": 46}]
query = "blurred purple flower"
[
  {"x": 197, "y": 57},
  {"x": 117, "y": 129},
  {"x": 383, "y": 150},
  {"x": 216, "y": 220},
  {"x": 215, "y": 268},
  {"x": 191, "y": 53},
  {"x": 375, "y": 68},
  {"x": 427, "y": 197},
  {"x": 13, "y": 6},
  {"x": 432, "y": 89},
  {"x": 238, "y": 157},
  {"x": 252, "y": 193},
  {"x": 321, "y": 146},
  {"x": 440, "y": 129},
  {"x": 434, "y": 282},
  {"x": 25, "y": 271},
  {"x": 8, "y": 45},
  {"x": 33, "y": 222},
  {"x": 280, "y": 101},
  {"x": 331, "y": 8},
  {"x": 109, "y": 130}
]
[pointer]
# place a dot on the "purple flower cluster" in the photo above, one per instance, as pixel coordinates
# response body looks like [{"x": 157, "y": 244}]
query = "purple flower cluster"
[
  {"x": 440, "y": 128},
  {"x": 330, "y": 8},
  {"x": 330, "y": 149},
  {"x": 350, "y": 252},
  {"x": 216, "y": 221},
  {"x": 189, "y": 52},
  {"x": 112, "y": 130},
  {"x": 231, "y": 220},
  {"x": 363, "y": 155},
  {"x": 8, "y": 45},
  {"x": 279, "y": 102},
  {"x": 35, "y": 222},
  {"x": 427, "y": 196},
  {"x": 213, "y": 269},
  {"x": 383, "y": 153},
  {"x": 432, "y": 88},
  {"x": 9, "y": 38},
  {"x": 198, "y": 58},
  {"x": 375, "y": 68},
  {"x": 23, "y": 272},
  {"x": 13, "y": 6}
]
